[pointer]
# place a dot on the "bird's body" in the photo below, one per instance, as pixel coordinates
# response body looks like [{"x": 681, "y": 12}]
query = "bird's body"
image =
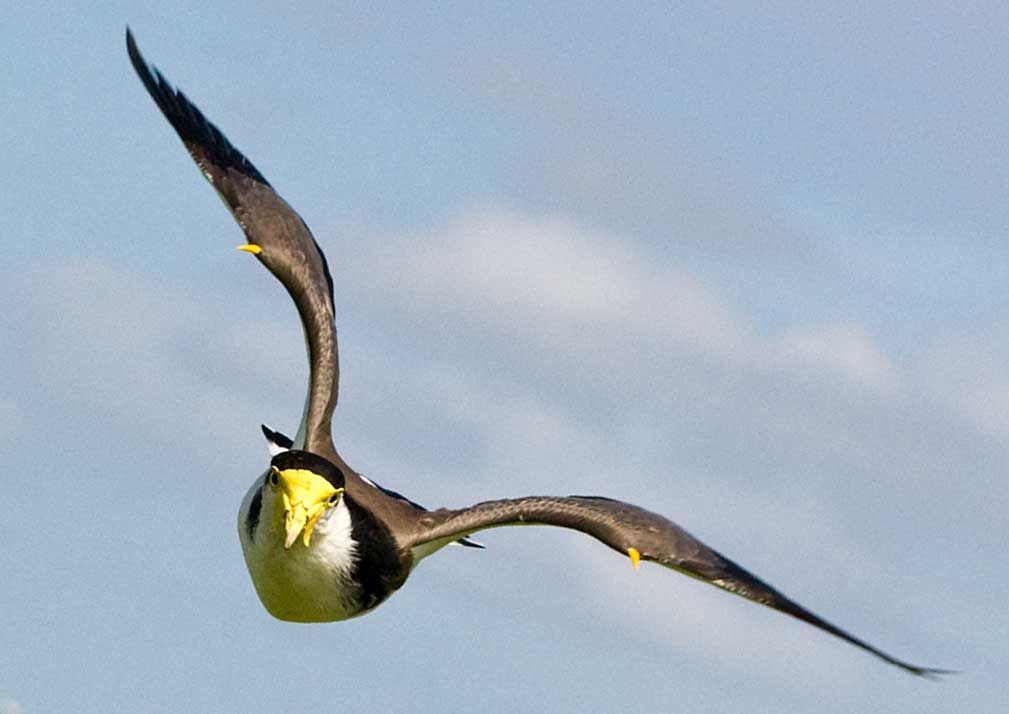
[
  {"x": 323, "y": 543},
  {"x": 350, "y": 565},
  {"x": 302, "y": 584}
]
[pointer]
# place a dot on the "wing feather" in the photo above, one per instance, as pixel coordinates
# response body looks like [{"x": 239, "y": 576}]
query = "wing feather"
[
  {"x": 289, "y": 250},
  {"x": 623, "y": 526}
]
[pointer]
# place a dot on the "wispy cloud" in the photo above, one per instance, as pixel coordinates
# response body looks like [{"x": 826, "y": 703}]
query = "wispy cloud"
[
  {"x": 967, "y": 371},
  {"x": 565, "y": 285},
  {"x": 574, "y": 289},
  {"x": 569, "y": 360},
  {"x": 544, "y": 315},
  {"x": 139, "y": 352},
  {"x": 596, "y": 162},
  {"x": 519, "y": 327},
  {"x": 846, "y": 350}
]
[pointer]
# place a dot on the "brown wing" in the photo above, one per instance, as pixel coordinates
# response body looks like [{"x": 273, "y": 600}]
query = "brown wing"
[
  {"x": 629, "y": 529},
  {"x": 288, "y": 249}
]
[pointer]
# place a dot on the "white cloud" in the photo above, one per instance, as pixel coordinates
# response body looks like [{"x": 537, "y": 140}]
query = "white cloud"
[
  {"x": 9, "y": 706},
  {"x": 561, "y": 282},
  {"x": 700, "y": 399},
  {"x": 844, "y": 349},
  {"x": 567, "y": 341},
  {"x": 147, "y": 354},
  {"x": 627, "y": 176},
  {"x": 567, "y": 355},
  {"x": 968, "y": 372},
  {"x": 574, "y": 289}
]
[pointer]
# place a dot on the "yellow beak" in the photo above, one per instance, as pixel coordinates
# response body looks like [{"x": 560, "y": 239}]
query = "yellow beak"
[
  {"x": 296, "y": 522},
  {"x": 301, "y": 499}
]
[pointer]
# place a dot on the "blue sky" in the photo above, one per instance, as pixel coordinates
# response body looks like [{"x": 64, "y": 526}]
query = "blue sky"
[{"x": 743, "y": 266}]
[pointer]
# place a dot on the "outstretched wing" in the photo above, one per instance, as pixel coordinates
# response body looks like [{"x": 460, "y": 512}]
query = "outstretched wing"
[
  {"x": 276, "y": 234},
  {"x": 637, "y": 533}
]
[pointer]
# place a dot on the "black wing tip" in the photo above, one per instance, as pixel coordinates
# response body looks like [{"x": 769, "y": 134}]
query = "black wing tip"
[
  {"x": 186, "y": 118},
  {"x": 470, "y": 543},
  {"x": 757, "y": 590},
  {"x": 139, "y": 63},
  {"x": 932, "y": 674},
  {"x": 276, "y": 437}
]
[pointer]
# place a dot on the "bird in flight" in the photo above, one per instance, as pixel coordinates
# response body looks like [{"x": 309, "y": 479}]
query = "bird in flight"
[{"x": 324, "y": 543}]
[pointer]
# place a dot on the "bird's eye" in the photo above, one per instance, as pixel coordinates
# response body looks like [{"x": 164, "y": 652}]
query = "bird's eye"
[
  {"x": 334, "y": 499},
  {"x": 274, "y": 479}
]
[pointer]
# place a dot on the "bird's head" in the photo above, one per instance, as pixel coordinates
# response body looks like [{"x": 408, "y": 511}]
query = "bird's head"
[{"x": 305, "y": 487}]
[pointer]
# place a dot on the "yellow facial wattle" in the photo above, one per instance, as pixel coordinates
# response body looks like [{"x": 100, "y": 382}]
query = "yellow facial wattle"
[{"x": 301, "y": 498}]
